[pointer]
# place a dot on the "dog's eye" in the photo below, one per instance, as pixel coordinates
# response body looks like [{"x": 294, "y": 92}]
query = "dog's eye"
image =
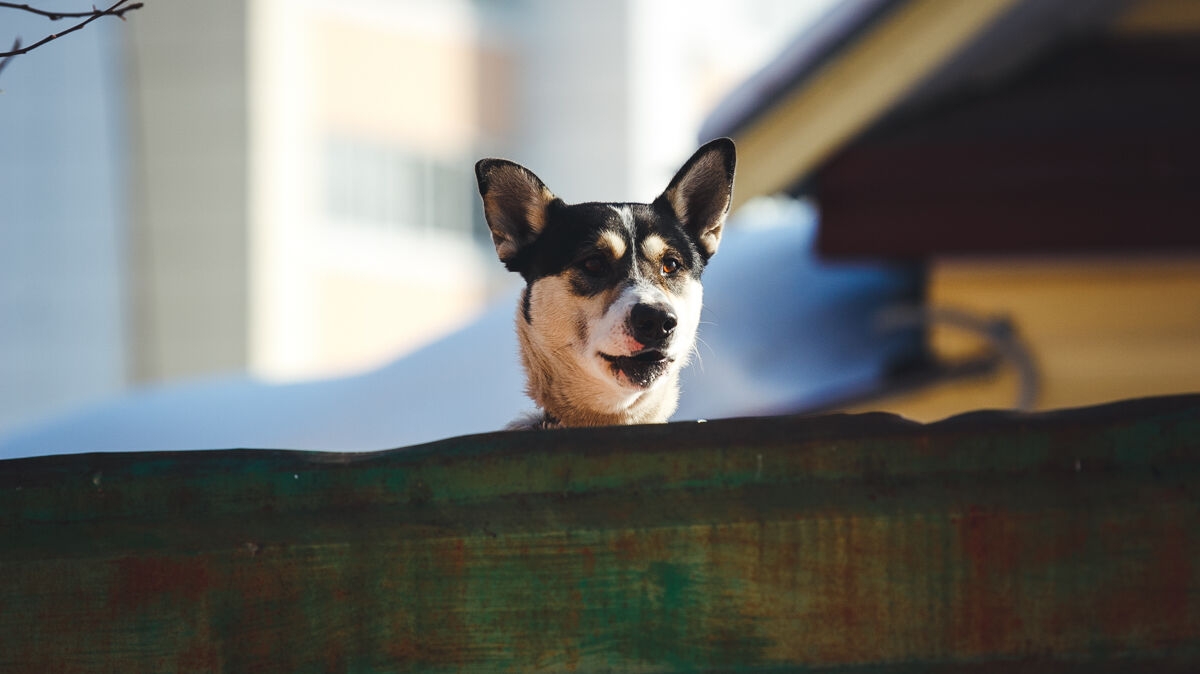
[
  {"x": 670, "y": 265},
  {"x": 594, "y": 266}
]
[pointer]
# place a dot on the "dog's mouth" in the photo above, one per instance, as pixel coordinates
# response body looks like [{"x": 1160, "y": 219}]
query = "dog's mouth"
[{"x": 641, "y": 368}]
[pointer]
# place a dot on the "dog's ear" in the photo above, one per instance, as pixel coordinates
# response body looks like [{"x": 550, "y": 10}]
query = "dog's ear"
[
  {"x": 700, "y": 193},
  {"x": 514, "y": 203}
]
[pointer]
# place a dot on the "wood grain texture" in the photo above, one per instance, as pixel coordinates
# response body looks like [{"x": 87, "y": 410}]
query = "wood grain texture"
[{"x": 1058, "y": 542}]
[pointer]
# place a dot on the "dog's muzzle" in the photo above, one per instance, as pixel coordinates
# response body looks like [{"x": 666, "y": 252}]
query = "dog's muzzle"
[{"x": 652, "y": 326}]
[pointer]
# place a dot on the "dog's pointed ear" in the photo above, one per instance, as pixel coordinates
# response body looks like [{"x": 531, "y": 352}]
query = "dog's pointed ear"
[
  {"x": 701, "y": 192},
  {"x": 514, "y": 204}
]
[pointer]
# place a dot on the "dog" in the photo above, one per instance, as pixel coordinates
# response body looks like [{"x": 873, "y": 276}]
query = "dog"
[{"x": 612, "y": 296}]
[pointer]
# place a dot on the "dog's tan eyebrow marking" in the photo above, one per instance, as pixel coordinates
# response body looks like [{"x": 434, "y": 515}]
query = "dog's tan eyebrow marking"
[
  {"x": 654, "y": 247},
  {"x": 613, "y": 242}
]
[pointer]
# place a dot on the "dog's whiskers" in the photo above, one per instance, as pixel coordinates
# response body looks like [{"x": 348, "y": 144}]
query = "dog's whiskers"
[{"x": 696, "y": 350}]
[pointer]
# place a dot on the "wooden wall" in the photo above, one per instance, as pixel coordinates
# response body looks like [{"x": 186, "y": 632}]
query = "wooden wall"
[{"x": 1100, "y": 328}]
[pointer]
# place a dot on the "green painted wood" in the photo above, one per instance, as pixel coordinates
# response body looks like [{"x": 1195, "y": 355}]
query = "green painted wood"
[{"x": 1053, "y": 542}]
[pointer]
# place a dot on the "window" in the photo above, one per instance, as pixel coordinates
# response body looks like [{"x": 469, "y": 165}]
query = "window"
[{"x": 372, "y": 184}]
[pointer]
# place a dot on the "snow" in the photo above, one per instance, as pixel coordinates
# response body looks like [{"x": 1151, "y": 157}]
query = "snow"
[{"x": 781, "y": 331}]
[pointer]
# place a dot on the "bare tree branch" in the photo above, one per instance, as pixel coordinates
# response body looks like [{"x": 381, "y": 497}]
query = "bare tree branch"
[
  {"x": 4, "y": 61},
  {"x": 53, "y": 16},
  {"x": 118, "y": 10}
]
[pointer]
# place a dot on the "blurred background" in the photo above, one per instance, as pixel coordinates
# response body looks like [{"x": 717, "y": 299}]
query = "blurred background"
[
  {"x": 250, "y": 198},
  {"x": 287, "y": 188}
]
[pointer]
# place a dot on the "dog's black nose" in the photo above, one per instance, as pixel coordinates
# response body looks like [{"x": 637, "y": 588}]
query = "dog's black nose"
[{"x": 651, "y": 324}]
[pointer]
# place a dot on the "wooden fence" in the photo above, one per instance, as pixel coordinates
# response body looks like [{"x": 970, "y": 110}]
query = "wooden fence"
[{"x": 990, "y": 542}]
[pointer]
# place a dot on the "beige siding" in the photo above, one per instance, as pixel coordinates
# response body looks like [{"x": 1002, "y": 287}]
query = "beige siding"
[
  {"x": 394, "y": 84},
  {"x": 1100, "y": 329},
  {"x": 188, "y": 246}
]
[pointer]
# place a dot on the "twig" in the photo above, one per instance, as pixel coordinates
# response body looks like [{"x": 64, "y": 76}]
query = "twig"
[
  {"x": 53, "y": 16},
  {"x": 4, "y": 61},
  {"x": 115, "y": 10}
]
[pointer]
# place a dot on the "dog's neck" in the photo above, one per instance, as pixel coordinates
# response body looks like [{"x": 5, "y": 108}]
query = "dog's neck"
[
  {"x": 558, "y": 409},
  {"x": 567, "y": 398}
]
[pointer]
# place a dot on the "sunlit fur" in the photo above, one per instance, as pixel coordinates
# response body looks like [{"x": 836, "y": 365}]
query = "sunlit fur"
[
  {"x": 586, "y": 267},
  {"x": 561, "y": 343}
]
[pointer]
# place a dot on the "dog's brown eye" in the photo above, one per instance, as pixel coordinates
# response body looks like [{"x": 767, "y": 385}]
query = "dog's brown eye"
[
  {"x": 670, "y": 265},
  {"x": 595, "y": 266}
]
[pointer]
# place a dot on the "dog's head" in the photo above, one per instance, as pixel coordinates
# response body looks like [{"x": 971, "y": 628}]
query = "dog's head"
[{"x": 612, "y": 298}]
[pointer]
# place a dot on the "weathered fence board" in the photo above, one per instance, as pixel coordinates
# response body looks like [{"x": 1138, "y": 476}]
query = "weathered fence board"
[{"x": 1061, "y": 541}]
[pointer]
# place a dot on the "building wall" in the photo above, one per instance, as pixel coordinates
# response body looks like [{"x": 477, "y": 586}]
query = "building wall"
[
  {"x": 573, "y": 98},
  {"x": 187, "y": 244},
  {"x": 365, "y": 124},
  {"x": 1099, "y": 328},
  {"x": 63, "y": 313}
]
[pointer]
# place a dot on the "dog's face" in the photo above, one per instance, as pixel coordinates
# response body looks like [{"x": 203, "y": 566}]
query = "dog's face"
[{"x": 612, "y": 298}]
